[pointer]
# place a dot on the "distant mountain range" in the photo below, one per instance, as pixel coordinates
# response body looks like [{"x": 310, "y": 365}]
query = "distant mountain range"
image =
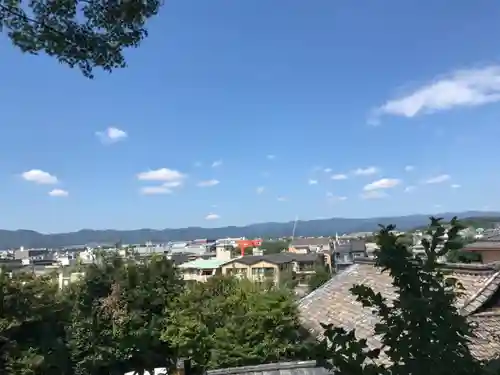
[{"x": 323, "y": 227}]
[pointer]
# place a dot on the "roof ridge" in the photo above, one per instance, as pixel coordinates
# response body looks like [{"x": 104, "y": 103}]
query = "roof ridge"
[
  {"x": 482, "y": 295},
  {"x": 456, "y": 267},
  {"x": 264, "y": 367}
]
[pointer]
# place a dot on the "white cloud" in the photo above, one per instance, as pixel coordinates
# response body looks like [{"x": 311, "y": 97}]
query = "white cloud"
[
  {"x": 155, "y": 190},
  {"x": 39, "y": 177},
  {"x": 260, "y": 190},
  {"x": 312, "y": 182},
  {"x": 374, "y": 194},
  {"x": 462, "y": 88},
  {"x": 339, "y": 176},
  {"x": 365, "y": 171},
  {"x": 58, "y": 193},
  {"x": 409, "y": 168},
  {"x": 282, "y": 199},
  {"x": 437, "y": 179},
  {"x": 384, "y": 183},
  {"x": 172, "y": 184},
  {"x": 327, "y": 170},
  {"x": 455, "y": 186},
  {"x": 212, "y": 217},
  {"x": 409, "y": 189},
  {"x": 162, "y": 174},
  {"x": 111, "y": 135},
  {"x": 216, "y": 163},
  {"x": 271, "y": 157},
  {"x": 208, "y": 183}
]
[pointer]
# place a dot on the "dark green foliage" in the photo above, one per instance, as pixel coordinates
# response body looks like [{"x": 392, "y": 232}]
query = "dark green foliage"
[
  {"x": 87, "y": 34},
  {"x": 321, "y": 276},
  {"x": 228, "y": 322},
  {"x": 32, "y": 326},
  {"x": 421, "y": 331},
  {"x": 116, "y": 316},
  {"x": 274, "y": 247}
]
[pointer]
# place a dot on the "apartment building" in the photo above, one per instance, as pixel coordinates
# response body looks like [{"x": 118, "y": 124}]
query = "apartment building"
[{"x": 201, "y": 269}]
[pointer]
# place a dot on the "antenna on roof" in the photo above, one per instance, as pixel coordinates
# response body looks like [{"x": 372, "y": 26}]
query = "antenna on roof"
[{"x": 295, "y": 226}]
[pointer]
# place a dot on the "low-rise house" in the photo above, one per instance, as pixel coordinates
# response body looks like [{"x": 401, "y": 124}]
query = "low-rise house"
[
  {"x": 488, "y": 247},
  {"x": 259, "y": 268},
  {"x": 201, "y": 269},
  {"x": 308, "y": 245},
  {"x": 333, "y": 303},
  {"x": 345, "y": 253},
  {"x": 274, "y": 266}
]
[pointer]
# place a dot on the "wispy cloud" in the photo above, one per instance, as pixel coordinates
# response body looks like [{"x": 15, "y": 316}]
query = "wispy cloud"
[
  {"x": 374, "y": 194},
  {"x": 216, "y": 163},
  {"x": 365, "y": 171},
  {"x": 260, "y": 190},
  {"x": 111, "y": 135},
  {"x": 39, "y": 177},
  {"x": 339, "y": 176},
  {"x": 212, "y": 217},
  {"x": 409, "y": 189},
  {"x": 155, "y": 190},
  {"x": 327, "y": 170},
  {"x": 271, "y": 157},
  {"x": 462, "y": 88},
  {"x": 170, "y": 179},
  {"x": 312, "y": 182},
  {"x": 438, "y": 179},
  {"x": 58, "y": 193},
  {"x": 162, "y": 174},
  {"x": 208, "y": 183},
  {"x": 409, "y": 168},
  {"x": 384, "y": 183},
  {"x": 456, "y": 186},
  {"x": 282, "y": 199}
]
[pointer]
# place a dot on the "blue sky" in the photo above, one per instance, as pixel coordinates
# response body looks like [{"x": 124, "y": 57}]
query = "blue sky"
[{"x": 360, "y": 89}]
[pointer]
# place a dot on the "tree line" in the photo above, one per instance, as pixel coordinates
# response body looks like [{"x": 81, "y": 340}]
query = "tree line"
[{"x": 127, "y": 315}]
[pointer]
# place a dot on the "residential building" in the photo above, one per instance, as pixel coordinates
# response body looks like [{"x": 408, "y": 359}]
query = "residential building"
[
  {"x": 32, "y": 254},
  {"x": 334, "y": 303},
  {"x": 259, "y": 268},
  {"x": 307, "y": 245},
  {"x": 488, "y": 247},
  {"x": 201, "y": 269},
  {"x": 345, "y": 253},
  {"x": 274, "y": 266}
]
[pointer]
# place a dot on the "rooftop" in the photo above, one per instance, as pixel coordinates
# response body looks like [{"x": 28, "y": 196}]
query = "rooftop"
[
  {"x": 203, "y": 264},
  {"x": 282, "y": 368},
  {"x": 333, "y": 303}
]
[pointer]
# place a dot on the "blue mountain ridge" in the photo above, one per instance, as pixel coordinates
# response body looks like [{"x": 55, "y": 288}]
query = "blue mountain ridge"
[{"x": 322, "y": 227}]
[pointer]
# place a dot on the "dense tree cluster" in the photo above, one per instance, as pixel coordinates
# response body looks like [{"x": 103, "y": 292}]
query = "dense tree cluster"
[
  {"x": 126, "y": 315},
  {"x": 87, "y": 34}
]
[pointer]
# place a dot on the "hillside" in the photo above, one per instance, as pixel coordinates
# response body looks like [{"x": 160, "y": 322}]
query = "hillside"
[{"x": 325, "y": 227}]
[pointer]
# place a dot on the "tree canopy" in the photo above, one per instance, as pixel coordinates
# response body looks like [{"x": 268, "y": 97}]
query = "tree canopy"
[
  {"x": 128, "y": 314},
  {"x": 87, "y": 34}
]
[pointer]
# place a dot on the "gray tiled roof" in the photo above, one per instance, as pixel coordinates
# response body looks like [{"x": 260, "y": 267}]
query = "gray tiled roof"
[
  {"x": 282, "y": 368},
  {"x": 325, "y": 241},
  {"x": 333, "y": 303},
  {"x": 486, "y": 245},
  {"x": 279, "y": 258}
]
